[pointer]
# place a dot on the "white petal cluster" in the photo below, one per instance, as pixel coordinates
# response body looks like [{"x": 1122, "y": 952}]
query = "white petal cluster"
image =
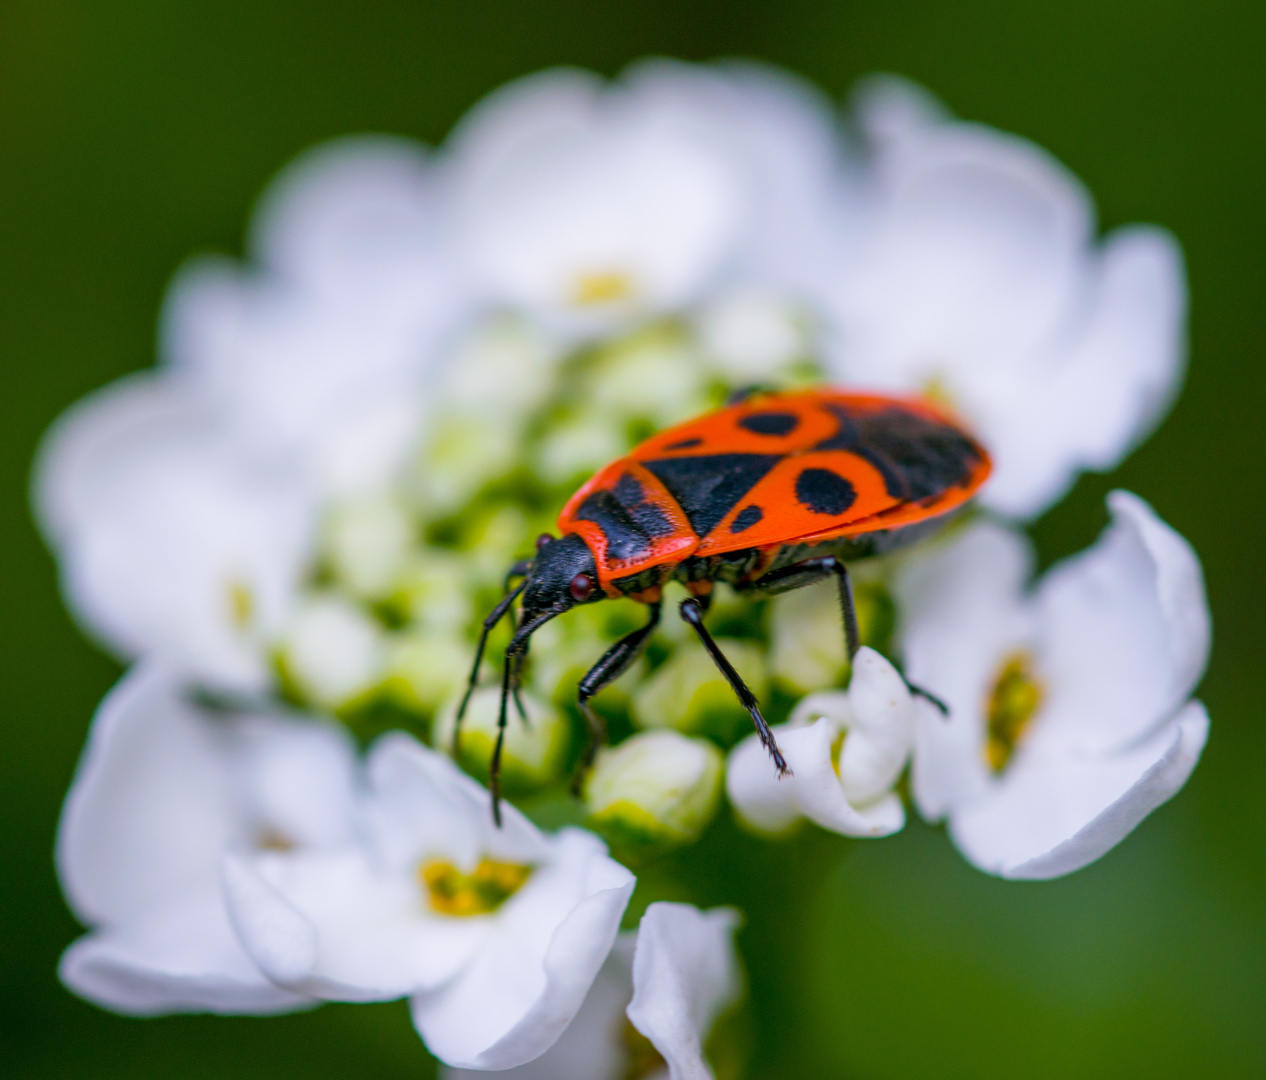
[
  {"x": 163, "y": 791},
  {"x": 669, "y": 980},
  {"x": 845, "y": 751},
  {"x": 271, "y": 513},
  {"x": 1115, "y": 640}
]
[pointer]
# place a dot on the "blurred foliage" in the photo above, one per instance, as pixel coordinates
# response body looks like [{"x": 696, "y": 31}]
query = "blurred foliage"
[{"x": 137, "y": 132}]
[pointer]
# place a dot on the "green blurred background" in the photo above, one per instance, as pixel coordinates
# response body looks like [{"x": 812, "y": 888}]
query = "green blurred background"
[{"x": 134, "y": 133}]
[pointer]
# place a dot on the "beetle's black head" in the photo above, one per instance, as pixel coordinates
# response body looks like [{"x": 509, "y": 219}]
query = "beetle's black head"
[{"x": 562, "y": 576}]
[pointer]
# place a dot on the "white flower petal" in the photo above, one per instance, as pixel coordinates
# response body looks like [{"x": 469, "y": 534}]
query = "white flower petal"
[
  {"x": 533, "y": 972},
  {"x": 1125, "y": 631},
  {"x": 424, "y": 806},
  {"x": 762, "y": 798},
  {"x": 333, "y": 926},
  {"x": 881, "y": 731},
  {"x": 149, "y": 810},
  {"x": 592, "y": 1047},
  {"x": 963, "y": 611},
  {"x": 182, "y": 957},
  {"x": 353, "y": 216},
  {"x": 1106, "y": 382},
  {"x": 817, "y": 790},
  {"x": 161, "y": 792},
  {"x": 579, "y": 204},
  {"x": 685, "y": 973},
  {"x": 1057, "y": 814}
]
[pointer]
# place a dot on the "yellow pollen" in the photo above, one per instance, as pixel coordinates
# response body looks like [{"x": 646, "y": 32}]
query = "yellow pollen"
[
  {"x": 270, "y": 839},
  {"x": 936, "y": 391},
  {"x": 241, "y": 604},
  {"x": 602, "y": 287},
  {"x": 643, "y": 1059},
  {"x": 1015, "y": 697},
  {"x": 484, "y": 890}
]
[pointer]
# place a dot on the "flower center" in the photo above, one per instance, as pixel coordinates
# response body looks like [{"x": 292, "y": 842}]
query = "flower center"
[
  {"x": 643, "y": 1060},
  {"x": 241, "y": 604},
  {"x": 602, "y": 287},
  {"x": 483, "y": 890},
  {"x": 1015, "y": 697}
]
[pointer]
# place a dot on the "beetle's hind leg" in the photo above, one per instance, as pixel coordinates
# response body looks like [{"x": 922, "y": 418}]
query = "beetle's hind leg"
[
  {"x": 692, "y": 612},
  {"x": 812, "y": 570},
  {"x": 613, "y": 663}
]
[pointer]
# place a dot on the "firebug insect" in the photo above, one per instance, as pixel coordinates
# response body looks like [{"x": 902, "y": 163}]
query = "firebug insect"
[{"x": 770, "y": 493}]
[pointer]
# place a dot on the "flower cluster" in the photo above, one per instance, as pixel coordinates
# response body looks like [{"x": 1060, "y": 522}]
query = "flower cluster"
[{"x": 294, "y": 525}]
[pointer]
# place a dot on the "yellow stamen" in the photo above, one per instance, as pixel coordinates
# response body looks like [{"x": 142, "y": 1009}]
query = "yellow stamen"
[
  {"x": 484, "y": 890},
  {"x": 1015, "y": 697},
  {"x": 602, "y": 287},
  {"x": 935, "y": 390},
  {"x": 271, "y": 839},
  {"x": 643, "y": 1059},
  {"x": 241, "y": 604}
]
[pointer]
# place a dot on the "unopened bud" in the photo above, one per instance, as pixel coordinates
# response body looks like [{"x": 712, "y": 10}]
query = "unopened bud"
[
  {"x": 367, "y": 541},
  {"x": 423, "y": 669},
  {"x": 657, "y": 789},
  {"x": 332, "y": 652},
  {"x": 690, "y": 694},
  {"x": 534, "y": 754}
]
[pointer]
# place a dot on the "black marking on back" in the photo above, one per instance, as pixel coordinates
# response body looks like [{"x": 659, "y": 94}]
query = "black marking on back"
[
  {"x": 918, "y": 458},
  {"x": 746, "y": 518},
  {"x": 685, "y": 444},
  {"x": 630, "y": 523},
  {"x": 770, "y": 423},
  {"x": 824, "y": 491},
  {"x": 707, "y": 487}
]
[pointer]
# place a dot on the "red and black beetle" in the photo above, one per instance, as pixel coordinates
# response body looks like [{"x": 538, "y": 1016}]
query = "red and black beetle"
[{"x": 768, "y": 494}]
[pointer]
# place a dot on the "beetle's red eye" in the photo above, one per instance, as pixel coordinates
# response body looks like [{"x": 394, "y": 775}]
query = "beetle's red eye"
[
  {"x": 581, "y": 588},
  {"x": 542, "y": 540}
]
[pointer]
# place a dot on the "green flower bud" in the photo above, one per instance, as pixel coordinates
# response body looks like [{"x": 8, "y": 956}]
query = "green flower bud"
[
  {"x": 431, "y": 592},
  {"x": 657, "y": 789},
  {"x": 655, "y": 373},
  {"x": 332, "y": 653},
  {"x": 534, "y": 754},
  {"x": 367, "y": 542},
  {"x": 690, "y": 694},
  {"x": 423, "y": 669},
  {"x": 806, "y": 636}
]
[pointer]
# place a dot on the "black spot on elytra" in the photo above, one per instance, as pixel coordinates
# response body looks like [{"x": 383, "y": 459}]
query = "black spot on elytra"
[
  {"x": 685, "y": 444},
  {"x": 708, "y": 487},
  {"x": 770, "y": 423},
  {"x": 630, "y": 523},
  {"x": 824, "y": 492},
  {"x": 746, "y": 518},
  {"x": 918, "y": 457}
]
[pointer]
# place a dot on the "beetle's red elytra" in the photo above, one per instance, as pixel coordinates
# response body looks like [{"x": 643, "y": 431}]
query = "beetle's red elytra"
[{"x": 768, "y": 494}]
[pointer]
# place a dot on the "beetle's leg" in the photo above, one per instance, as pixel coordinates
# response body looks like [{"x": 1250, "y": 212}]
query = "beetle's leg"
[
  {"x": 692, "y": 612},
  {"x": 811, "y": 570},
  {"x": 494, "y": 767},
  {"x": 494, "y": 617},
  {"x": 519, "y": 569},
  {"x": 799, "y": 574},
  {"x": 614, "y": 663}
]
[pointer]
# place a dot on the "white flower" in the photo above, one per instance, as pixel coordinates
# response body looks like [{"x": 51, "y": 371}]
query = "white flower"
[
  {"x": 669, "y": 982},
  {"x": 171, "y": 542},
  {"x": 495, "y": 934},
  {"x": 976, "y": 276},
  {"x": 357, "y": 292},
  {"x": 845, "y": 750},
  {"x": 586, "y": 202},
  {"x": 1070, "y": 714},
  {"x": 162, "y": 791}
]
